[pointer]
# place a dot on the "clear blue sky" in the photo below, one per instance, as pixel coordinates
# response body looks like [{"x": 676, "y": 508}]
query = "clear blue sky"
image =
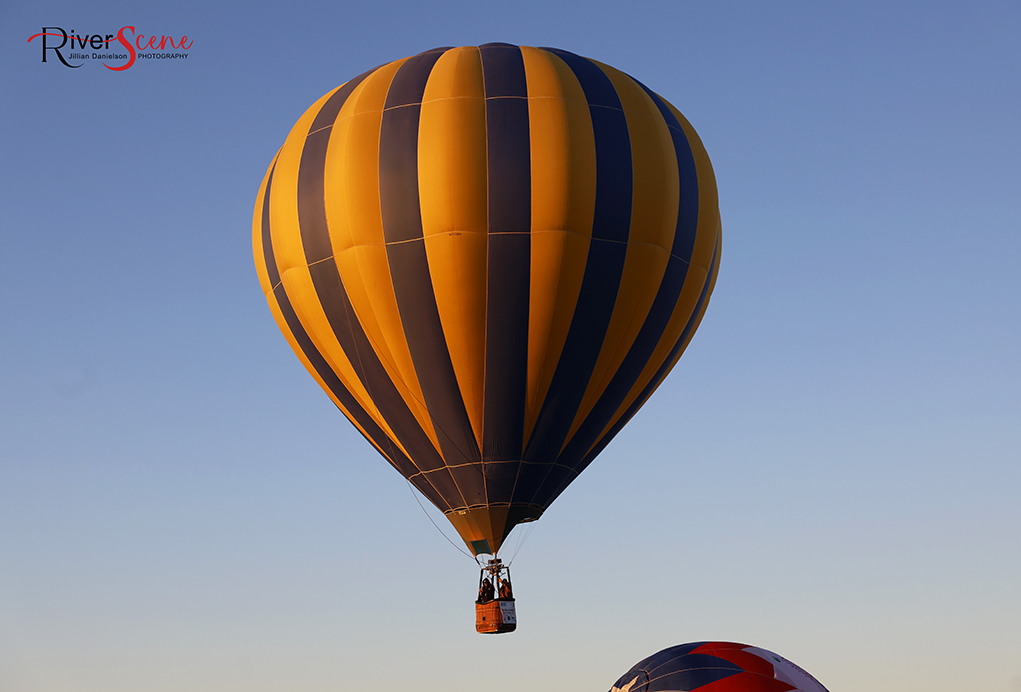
[{"x": 832, "y": 472}]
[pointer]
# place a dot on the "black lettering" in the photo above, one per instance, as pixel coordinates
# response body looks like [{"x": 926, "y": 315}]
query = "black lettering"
[
  {"x": 96, "y": 42},
  {"x": 108, "y": 37},
  {"x": 55, "y": 49}
]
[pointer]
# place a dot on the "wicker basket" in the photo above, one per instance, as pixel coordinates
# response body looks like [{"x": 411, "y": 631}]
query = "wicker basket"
[{"x": 496, "y": 616}]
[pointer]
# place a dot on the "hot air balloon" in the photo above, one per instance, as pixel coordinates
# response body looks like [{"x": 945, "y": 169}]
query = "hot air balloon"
[
  {"x": 489, "y": 258},
  {"x": 716, "y": 667}
]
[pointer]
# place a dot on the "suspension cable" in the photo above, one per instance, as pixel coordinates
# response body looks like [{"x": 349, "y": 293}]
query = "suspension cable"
[
  {"x": 424, "y": 511},
  {"x": 521, "y": 542}
]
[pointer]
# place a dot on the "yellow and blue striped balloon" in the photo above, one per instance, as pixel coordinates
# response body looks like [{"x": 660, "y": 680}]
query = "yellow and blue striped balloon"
[{"x": 489, "y": 257}]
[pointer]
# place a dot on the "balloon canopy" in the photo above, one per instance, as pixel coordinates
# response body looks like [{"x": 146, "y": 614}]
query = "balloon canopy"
[
  {"x": 716, "y": 667},
  {"x": 489, "y": 258}
]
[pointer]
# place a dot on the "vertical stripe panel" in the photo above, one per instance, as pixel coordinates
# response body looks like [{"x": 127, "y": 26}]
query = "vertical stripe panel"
[
  {"x": 687, "y": 216},
  {"x": 315, "y": 236},
  {"x": 509, "y": 254},
  {"x": 614, "y": 175},
  {"x": 452, "y": 188},
  {"x": 409, "y": 268},
  {"x": 258, "y": 253},
  {"x": 704, "y": 247},
  {"x": 563, "y": 162},
  {"x": 283, "y": 210},
  {"x": 398, "y": 150},
  {"x": 603, "y": 267}
]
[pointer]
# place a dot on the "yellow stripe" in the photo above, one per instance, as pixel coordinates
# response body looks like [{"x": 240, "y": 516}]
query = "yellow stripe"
[
  {"x": 304, "y": 300},
  {"x": 257, "y": 248},
  {"x": 685, "y": 306},
  {"x": 675, "y": 327},
  {"x": 563, "y": 154},
  {"x": 452, "y": 183},
  {"x": 351, "y": 179},
  {"x": 701, "y": 312},
  {"x": 283, "y": 202},
  {"x": 656, "y": 193},
  {"x": 708, "y": 199},
  {"x": 654, "y": 208}
]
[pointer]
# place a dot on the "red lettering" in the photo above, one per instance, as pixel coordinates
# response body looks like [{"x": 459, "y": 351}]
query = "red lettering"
[
  {"x": 150, "y": 45},
  {"x": 127, "y": 44},
  {"x": 163, "y": 43}
]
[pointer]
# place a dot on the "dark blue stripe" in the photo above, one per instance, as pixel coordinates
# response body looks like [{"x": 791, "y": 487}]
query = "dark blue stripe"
[
  {"x": 508, "y": 257},
  {"x": 530, "y": 479},
  {"x": 687, "y": 216},
  {"x": 311, "y": 208},
  {"x": 500, "y": 480},
  {"x": 398, "y": 149},
  {"x": 631, "y": 367},
  {"x": 693, "y": 674},
  {"x": 503, "y": 70},
  {"x": 409, "y": 268},
  {"x": 367, "y": 366},
  {"x": 657, "y": 378},
  {"x": 603, "y": 268},
  {"x": 665, "y": 657},
  {"x": 471, "y": 482},
  {"x": 614, "y": 175},
  {"x": 417, "y": 305},
  {"x": 443, "y": 486},
  {"x": 581, "y": 349},
  {"x": 408, "y": 84},
  {"x": 598, "y": 88},
  {"x": 676, "y": 669}
]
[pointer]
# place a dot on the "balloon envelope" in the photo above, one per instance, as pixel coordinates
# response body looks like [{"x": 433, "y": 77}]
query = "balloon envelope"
[
  {"x": 489, "y": 258},
  {"x": 716, "y": 667}
]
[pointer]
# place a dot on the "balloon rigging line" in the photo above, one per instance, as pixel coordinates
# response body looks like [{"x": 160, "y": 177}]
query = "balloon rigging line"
[
  {"x": 460, "y": 550},
  {"x": 521, "y": 542}
]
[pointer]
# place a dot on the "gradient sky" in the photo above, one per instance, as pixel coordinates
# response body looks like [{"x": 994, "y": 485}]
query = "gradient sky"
[{"x": 831, "y": 472}]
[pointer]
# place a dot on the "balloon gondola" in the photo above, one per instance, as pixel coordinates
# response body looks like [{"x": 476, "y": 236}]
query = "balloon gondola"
[
  {"x": 494, "y": 608},
  {"x": 489, "y": 258}
]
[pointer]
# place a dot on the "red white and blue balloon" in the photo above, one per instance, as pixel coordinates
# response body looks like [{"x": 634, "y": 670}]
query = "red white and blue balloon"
[{"x": 716, "y": 667}]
